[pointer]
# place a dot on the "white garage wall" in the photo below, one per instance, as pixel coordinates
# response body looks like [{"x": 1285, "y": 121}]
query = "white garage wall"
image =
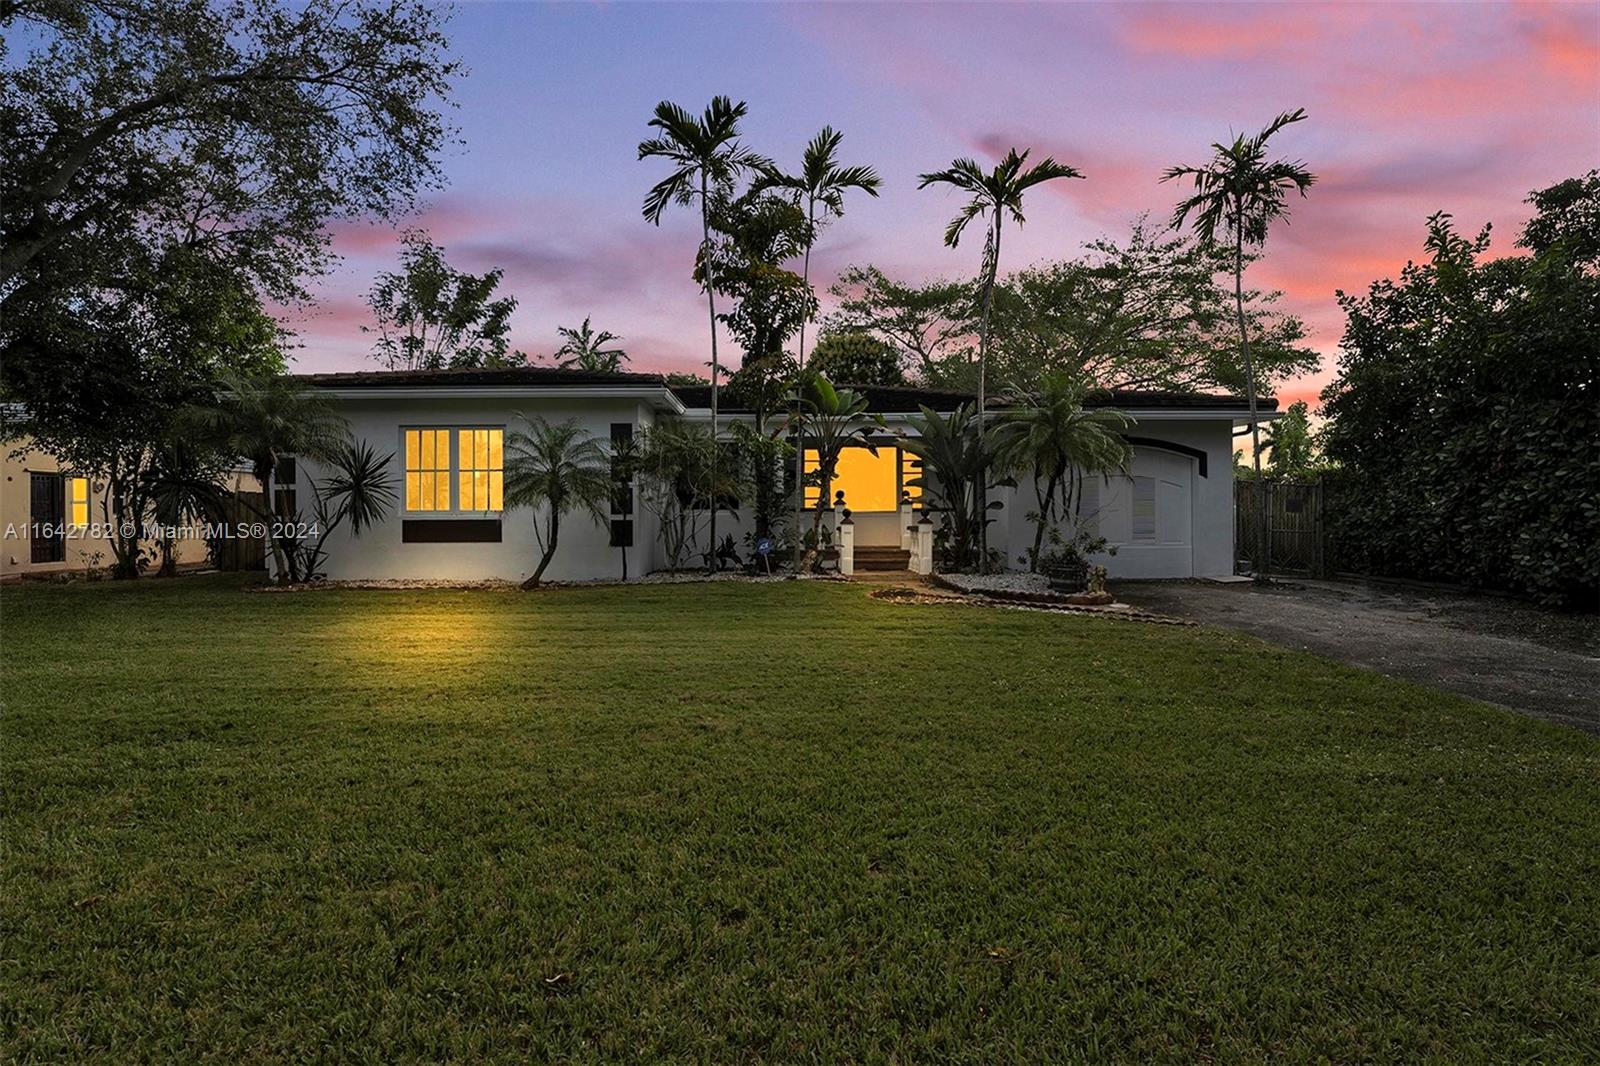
[{"x": 1211, "y": 502}]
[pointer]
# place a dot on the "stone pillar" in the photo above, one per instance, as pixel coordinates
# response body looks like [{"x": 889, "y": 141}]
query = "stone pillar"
[
  {"x": 847, "y": 544},
  {"x": 908, "y": 516},
  {"x": 922, "y": 548}
]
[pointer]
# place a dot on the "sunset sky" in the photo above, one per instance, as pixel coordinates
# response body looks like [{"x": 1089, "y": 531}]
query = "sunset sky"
[{"x": 1414, "y": 109}]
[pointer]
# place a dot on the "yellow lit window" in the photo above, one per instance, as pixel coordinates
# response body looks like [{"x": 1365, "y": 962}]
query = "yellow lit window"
[
  {"x": 481, "y": 478},
  {"x": 427, "y": 470},
  {"x": 910, "y": 470},
  {"x": 78, "y": 500},
  {"x": 868, "y": 481}
]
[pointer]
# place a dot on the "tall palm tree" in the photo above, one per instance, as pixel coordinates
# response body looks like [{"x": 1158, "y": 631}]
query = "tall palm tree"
[
  {"x": 822, "y": 182},
  {"x": 559, "y": 468},
  {"x": 1052, "y": 436},
  {"x": 995, "y": 195},
  {"x": 585, "y": 349},
  {"x": 264, "y": 419},
  {"x": 707, "y": 159},
  {"x": 1241, "y": 193}
]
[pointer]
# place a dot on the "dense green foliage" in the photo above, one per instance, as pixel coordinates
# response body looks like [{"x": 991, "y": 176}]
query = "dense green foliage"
[
  {"x": 1466, "y": 414},
  {"x": 856, "y": 358},
  {"x": 431, "y": 315},
  {"x": 237, "y": 129},
  {"x": 603, "y": 825}
]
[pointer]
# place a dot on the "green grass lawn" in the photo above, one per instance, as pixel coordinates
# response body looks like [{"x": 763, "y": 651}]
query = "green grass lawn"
[{"x": 762, "y": 823}]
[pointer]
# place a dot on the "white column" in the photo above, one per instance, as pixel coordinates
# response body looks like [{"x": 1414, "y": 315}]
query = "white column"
[
  {"x": 908, "y": 515},
  {"x": 922, "y": 551},
  {"x": 846, "y": 540}
]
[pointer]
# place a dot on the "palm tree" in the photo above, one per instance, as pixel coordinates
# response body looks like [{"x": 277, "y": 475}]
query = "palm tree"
[
  {"x": 994, "y": 195},
  {"x": 830, "y": 419},
  {"x": 627, "y": 456},
  {"x": 822, "y": 181},
  {"x": 1240, "y": 192},
  {"x": 707, "y": 158},
  {"x": 1052, "y": 436},
  {"x": 264, "y": 419},
  {"x": 560, "y": 468},
  {"x": 584, "y": 349}
]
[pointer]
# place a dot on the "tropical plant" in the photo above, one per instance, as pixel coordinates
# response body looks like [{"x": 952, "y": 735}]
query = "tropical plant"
[
  {"x": 585, "y": 349},
  {"x": 1241, "y": 193},
  {"x": 953, "y": 463},
  {"x": 558, "y": 468},
  {"x": 707, "y": 159},
  {"x": 1050, "y": 435},
  {"x": 185, "y": 486},
  {"x": 431, "y": 315},
  {"x": 828, "y": 420},
  {"x": 994, "y": 195},
  {"x": 821, "y": 182},
  {"x": 679, "y": 480},
  {"x": 360, "y": 492},
  {"x": 264, "y": 419}
]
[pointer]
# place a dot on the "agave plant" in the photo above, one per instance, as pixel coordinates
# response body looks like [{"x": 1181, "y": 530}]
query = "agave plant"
[{"x": 360, "y": 492}]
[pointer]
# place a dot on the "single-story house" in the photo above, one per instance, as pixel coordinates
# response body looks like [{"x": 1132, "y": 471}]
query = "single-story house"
[{"x": 1171, "y": 516}]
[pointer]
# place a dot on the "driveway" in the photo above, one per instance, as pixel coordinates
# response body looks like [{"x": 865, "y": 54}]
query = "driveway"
[{"x": 1497, "y": 650}]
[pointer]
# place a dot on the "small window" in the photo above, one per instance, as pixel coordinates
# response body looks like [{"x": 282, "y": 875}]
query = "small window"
[
  {"x": 482, "y": 477},
  {"x": 1144, "y": 508},
  {"x": 1089, "y": 505},
  {"x": 283, "y": 486},
  {"x": 427, "y": 470},
  {"x": 78, "y": 501},
  {"x": 622, "y": 490},
  {"x": 622, "y": 532}
]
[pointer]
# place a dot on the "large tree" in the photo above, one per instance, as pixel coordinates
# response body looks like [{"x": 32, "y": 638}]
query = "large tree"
[
  {"x": 855, "y": 357},
  {"x": 707, "y": 160},
  {"x": 1240, "y": 193},
  {"x": 993, "y": 195},
  {"x": 238, "y": 128},
  {"x": 431, "y": 315},
  {"x": 932, "y": 324},
  {"x": 1464, "y": 425},
  {"x": 104, "y": 374},
  {"x": 1152, "y": 311}
]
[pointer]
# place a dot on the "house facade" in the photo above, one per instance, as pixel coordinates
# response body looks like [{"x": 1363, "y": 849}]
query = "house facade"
[{"x": 1171, "y": 516}]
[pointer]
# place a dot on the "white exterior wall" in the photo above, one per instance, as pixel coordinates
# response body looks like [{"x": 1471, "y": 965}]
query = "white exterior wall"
[
  {"x": 584, "y": 550},
  {"x": 1209, "y": 532}
]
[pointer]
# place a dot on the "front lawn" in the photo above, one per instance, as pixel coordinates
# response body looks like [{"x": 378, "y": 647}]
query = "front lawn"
[{"x": 776, "y": 823}]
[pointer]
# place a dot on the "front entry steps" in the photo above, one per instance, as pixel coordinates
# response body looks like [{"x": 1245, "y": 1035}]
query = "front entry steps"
[{"x": 869, "y": 557}]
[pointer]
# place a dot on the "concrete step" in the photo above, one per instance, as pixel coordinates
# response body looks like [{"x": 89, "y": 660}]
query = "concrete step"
[{"x": 872, "y": 557}]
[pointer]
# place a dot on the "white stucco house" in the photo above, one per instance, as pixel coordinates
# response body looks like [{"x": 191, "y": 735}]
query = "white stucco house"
[{"x": 1170, "y": 517}]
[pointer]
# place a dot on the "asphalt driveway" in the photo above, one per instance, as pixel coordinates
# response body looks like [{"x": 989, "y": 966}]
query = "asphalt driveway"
[{"x": 1536, "y": 662}]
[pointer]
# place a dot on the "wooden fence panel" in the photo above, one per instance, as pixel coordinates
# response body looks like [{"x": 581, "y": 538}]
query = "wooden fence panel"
[
  {"x": 1296, "y": 530},
  {"x": 241, "y": 553}
]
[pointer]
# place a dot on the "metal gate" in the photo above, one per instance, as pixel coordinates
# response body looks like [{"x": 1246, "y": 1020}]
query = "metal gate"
[{"x": 1296, "y": 540}]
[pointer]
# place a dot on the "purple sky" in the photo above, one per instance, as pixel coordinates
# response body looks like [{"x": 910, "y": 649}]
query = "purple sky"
[{"x": 1414, "y": 108}]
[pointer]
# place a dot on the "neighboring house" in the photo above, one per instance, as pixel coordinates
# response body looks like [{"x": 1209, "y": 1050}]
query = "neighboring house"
[
  {"x": 53, "y": 520},
  {"x": 1172, "y": 516}
]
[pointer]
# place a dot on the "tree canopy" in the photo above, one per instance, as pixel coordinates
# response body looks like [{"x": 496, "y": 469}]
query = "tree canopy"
[
  {"x": 1465, "y": 418},
  {"x": 237, "y": 128},
  {"x": 431, "y": 315}
]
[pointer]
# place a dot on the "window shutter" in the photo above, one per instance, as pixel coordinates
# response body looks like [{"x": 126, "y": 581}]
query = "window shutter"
[{"x": 1144, "y": 508}]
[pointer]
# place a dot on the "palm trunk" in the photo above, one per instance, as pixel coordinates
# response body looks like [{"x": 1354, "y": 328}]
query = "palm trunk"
[
  {"x": 983, "y": 361},
  {"x": 550, "y": 550},
  {"x": 711, "y": 302},
  {"x": 1045, "y": 500},
  {"x": 1261, "y": 562},
  {"x": 800, "y": 439}
]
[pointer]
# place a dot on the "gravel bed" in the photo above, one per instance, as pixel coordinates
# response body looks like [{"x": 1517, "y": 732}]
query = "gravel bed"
[
  {"x": 657, "y": 578},
  {"x": 997, "y": 582}
]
